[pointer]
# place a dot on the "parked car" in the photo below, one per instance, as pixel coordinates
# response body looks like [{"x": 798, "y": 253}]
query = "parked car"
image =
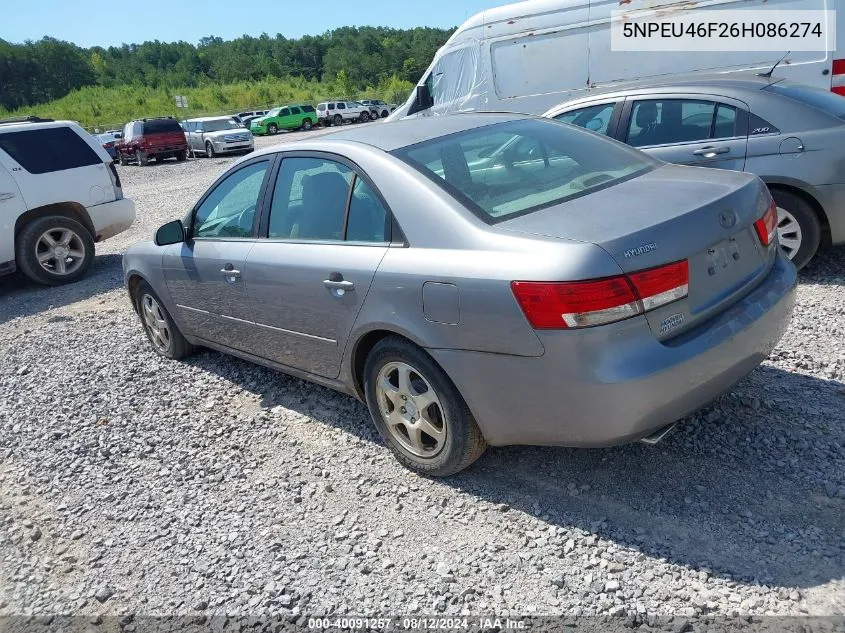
[
  {"x": 339, "y": 112},
  {"x": 498, "y": 60},
  {"x": 791, "y": 135},
  {"x": 109, "y": 142},
  {"x": 59, "y": 194},
  {"x": 250, "y": 113},
  {"x": 210, "y": 136},
  {"x": 459, "y": 274},
  {"x": 247, "y": 121},
  {"x": 379, "y": 107},
  {"x": 152, "y": 139},
  {"x": 292, "y": 117}
]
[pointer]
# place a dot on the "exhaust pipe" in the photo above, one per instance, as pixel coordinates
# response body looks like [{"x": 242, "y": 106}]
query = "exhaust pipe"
[{"x": 659, "y": 434}]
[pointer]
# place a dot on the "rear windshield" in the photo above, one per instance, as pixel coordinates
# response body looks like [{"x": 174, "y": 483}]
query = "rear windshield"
[
  {"x": 509, "y": 169},
  {"x": 48, "y": 150},
  {"x": 823, "y": 100},
  {"x": 160, "y": 126}
]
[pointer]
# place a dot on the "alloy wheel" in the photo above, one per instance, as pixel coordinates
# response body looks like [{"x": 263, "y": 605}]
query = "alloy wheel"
[
  {"x": 60, "y": 251},
  {"x": 789, "y": 233},
  {"x": 156, "y": 323},
  {"x": 411, "y": 409}
]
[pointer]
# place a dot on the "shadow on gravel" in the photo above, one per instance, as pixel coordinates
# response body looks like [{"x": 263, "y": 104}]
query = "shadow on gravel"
[
  {"x": 742, "y": 488},
  {"x": 827, "y": 268},
  {"x": 20, "y": 297}
]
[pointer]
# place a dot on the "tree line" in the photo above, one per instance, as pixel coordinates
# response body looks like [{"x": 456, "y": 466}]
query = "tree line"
[{"x": 37, "y": 72}]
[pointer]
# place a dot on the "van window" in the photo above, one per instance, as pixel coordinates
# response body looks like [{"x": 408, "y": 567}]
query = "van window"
[
  {"x": 504, "y": 170},
  {"x": 48, "y": 150},
  {"x": 453, "y": 75},
  {"x": 518, "y": 63},
  {"x": 595, "y": 118},
  {"x": 823, "y": 100}
]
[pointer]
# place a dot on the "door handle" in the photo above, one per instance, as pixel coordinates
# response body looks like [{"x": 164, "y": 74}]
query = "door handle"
[
  {"x": 711, "y": 151},
  {"x": 338, "y": 285},
  {"x": 229, "y": 271},
  {"x": 6, "y": 196}
]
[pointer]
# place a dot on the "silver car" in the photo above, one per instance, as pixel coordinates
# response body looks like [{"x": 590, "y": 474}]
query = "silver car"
[
  {"x": 791, "y": 135},
  {"x": 477, "y": 279},
  {"x": 210, "y": 136}
]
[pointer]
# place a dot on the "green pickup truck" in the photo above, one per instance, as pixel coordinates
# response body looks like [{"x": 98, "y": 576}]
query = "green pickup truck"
[{"x": 289, "y": 117}]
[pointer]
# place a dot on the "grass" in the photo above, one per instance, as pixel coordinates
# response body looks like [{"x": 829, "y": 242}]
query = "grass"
[{"x": 108, "y": 108}]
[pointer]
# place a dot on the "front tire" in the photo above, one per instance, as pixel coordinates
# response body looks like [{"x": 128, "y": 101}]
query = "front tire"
[
  {"x": 161, "y": 331},
  {"x": 799, "y": 229},
  {"x": 209, "y": 150},
  {"x": 122, "y": 159},
  {"x": 418, "y": 411},
  {"x": 54, "y": 250},
  {"x": 273, "y": 128}
]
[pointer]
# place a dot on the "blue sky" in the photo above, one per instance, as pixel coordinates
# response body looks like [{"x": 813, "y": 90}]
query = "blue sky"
[{"x": 107, "y": 23}]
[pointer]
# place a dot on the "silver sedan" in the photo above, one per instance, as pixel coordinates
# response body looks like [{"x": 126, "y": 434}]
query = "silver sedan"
[{"x": 477, "y": 279}]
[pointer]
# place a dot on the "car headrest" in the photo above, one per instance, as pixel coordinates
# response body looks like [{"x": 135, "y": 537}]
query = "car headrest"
[{"x": 646, "y": 114}]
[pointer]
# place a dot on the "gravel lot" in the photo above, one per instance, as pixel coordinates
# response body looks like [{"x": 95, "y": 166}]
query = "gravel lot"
[{"x": 130, "y": 484}]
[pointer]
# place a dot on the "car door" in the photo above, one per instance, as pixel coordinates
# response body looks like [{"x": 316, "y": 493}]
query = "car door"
[
  {"x": 697, "y": 130},
  {"x": 295, "y": 118},
  {"x": 283, "y": 118},
  {"x": 322, "y": 239},
  {"x": 205, "y": 274}
]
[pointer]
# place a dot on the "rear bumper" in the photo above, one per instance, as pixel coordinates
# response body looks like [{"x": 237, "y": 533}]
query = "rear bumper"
[
  {"x": 617, "y": 383},
  {"x": 112, "y": 218}
]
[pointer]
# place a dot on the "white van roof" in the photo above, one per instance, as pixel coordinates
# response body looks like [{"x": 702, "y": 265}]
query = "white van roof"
[{"x": 508, "y": 16}]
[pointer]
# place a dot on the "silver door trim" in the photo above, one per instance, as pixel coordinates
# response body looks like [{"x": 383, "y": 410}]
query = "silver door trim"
[
  {"x": 302, "y": 334},
  {"x": 231, "y": 318},
  {"x": 179, "y": 305}
]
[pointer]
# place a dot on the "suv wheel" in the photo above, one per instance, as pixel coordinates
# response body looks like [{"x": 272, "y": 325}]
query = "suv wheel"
[
  {"x": 384, "y": 114},
  {"x": 365, "y": 116},
  {"x": 273, "y": 128},
  {"x": 54, "y": 250},
  {"x": 306, "y": 124},
  {"x": 143, "y": 159},
  {"x": 181, "y": 156},
  {"x": 209, "y": 150},
  {"x": 337, "y": 120},
  {"x": 419, "y": 411},
  {"x": 122, "y": 159}
]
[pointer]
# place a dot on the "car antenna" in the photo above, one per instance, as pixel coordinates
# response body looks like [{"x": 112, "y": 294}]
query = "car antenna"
[{"x": 772, "y": 69}]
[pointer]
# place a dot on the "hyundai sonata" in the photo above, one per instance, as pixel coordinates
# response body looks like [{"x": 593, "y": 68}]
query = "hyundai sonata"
[{"x": 477, "y": 279}]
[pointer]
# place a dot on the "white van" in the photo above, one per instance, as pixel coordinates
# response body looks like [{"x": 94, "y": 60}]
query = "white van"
[{"x": 529, "y": 56}]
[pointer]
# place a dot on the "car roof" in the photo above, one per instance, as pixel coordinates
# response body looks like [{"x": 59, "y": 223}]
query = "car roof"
[
  {"x": 724, "y": 83},
  {"x": 396, "y": 134}
]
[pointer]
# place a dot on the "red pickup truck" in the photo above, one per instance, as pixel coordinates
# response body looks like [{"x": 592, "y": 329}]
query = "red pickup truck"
[{"x": 146, "y": 139}]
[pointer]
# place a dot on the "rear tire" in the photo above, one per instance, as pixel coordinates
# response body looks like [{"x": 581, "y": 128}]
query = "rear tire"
[
  {"x": 162, "y": 333},
  {"x": 337, "y": 120},
  {"x": 54, "y": 250},
  {"x": 122, "y": 159},
  {"x": 455, "y": 441},
  {"x": 307, "y": 125},
  {"x": 143, "y": 159},
  {"x": 384, "y": 114},
  {"x": 365, "y": 116},
  {"x": 182, "y": 156},
  {"x": 799, "y": 228}
]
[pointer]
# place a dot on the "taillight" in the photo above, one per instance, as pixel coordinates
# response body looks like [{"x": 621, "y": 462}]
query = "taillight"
[
  {"x": 837, "y": 80},
  {"x": 767, "y": 226},
  {"x": 575, "y": 304}
]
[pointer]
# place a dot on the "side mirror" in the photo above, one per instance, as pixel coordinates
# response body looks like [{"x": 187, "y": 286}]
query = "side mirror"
[
  {"x": 170, "y": 233},
  {"x": 424, "y": 100}
]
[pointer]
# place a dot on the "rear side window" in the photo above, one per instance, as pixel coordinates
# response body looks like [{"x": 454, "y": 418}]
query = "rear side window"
[
  {"x": 48, "y": 150},
  {"x": 758, "y": 125},
  {"x": 341, "y": 106},
  {"x": 825, "y": 101},
  {"x": 331, "y": 106},
  {"x": 161, "y": 126},
  {"x": 595, "y": 117}
]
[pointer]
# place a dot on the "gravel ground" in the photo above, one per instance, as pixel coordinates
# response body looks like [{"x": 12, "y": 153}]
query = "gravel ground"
[{"x": 131, "y": 484}]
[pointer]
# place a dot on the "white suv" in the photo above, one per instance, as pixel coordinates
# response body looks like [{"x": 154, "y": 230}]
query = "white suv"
[
  {"x": 59, "y": 193},
  {"x": 336, "y": 112}
]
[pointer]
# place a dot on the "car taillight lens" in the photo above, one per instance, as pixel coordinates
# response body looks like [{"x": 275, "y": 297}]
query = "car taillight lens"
[
  {"x": 837, "y": 80},
  {"x": 576, "y": 304},
  {"x": 767, "y": 226}
]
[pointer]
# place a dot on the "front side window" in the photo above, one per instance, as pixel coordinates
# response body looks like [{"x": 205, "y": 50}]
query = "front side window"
[
  {"x": 509, "y": 169},
  {"x": 309, "y": 200},
  {"x": 48, "y": 150},
  {"x": 284, "y": 112},
  {"x": 670, "y": 121},
  {"x": 595, "y": 118},
  {"x": 229, "y": 210}
]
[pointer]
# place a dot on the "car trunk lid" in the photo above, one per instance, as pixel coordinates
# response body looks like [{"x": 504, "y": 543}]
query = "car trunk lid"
[{"x": 667, "y": 215}]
